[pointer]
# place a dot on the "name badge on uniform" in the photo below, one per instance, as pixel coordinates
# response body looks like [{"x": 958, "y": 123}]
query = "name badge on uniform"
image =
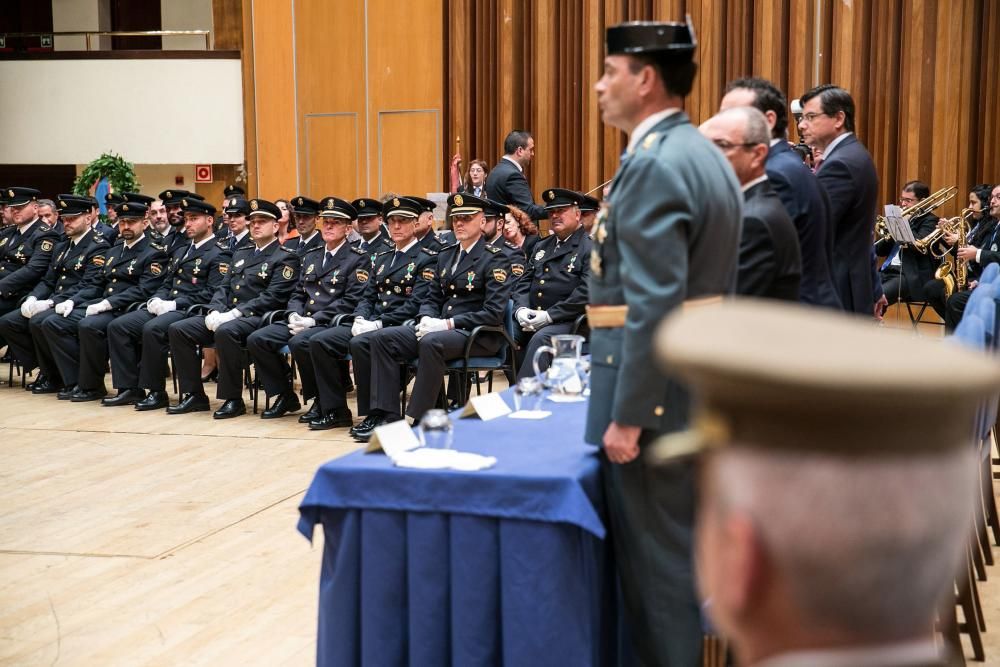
[
  {"x": 239, "y": 263},
  {"x": 539, "y": 255}
]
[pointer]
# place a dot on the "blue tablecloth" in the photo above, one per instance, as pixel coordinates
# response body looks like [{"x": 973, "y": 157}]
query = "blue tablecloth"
[{"x": 500, "y": 566}]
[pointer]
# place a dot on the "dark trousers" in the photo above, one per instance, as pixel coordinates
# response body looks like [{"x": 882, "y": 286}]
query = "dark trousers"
[
  {"x": 265, "y": 346},
  {"x": 895, "y": 286},
  {"x": 63, "y": 340},
  {"x": 140, "y": 348},
  {"x": 398, "y": 345},
  {"x": 651, "y": 517},
  {"x": 325, "y": 353},
  {"x": 528, "y": 342},
  {"x": 93, "y": 334},
  {"x": 934, "y": 296},
  {"x": 187, "y": 335},
  {"x": 955, "y": 308},
  {"x": 43, "y": 351},
  {"x": 14, "y": 330},
  {"x": 6, "y": 306}
]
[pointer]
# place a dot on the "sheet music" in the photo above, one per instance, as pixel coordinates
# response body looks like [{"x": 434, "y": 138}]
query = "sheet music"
[{"x": 899, "y": 227}]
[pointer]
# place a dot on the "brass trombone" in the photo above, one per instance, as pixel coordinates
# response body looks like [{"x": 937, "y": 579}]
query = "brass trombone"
[{"x": 922, "y": 207}]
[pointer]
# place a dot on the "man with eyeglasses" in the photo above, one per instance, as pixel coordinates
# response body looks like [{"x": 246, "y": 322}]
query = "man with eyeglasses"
[
  {"x": 770, "y": 264},
  {"x": 955, "y": 307},
  {"x": 905, "y": 271},
  {"x": 848, "y": 175}
]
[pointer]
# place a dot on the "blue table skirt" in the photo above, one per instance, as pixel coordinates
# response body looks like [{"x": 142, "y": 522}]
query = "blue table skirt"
[{"x": 413, "y": 588}]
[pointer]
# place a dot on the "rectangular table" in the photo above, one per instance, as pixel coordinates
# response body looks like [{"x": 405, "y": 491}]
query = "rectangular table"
[{"x": 500, "y": 566}]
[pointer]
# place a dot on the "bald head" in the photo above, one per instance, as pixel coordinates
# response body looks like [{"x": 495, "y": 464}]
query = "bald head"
[{"x": 743, "y": 135}]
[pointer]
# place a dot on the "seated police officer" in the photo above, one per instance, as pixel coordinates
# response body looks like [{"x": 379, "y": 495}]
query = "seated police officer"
[
  {"x": 588, "y": 213},
  {"x": 133, "y": 269},
  {"x": 77, "y": 260},
  {"x": 471, "y": 288},
  {"x": 334, "y": 278},
  {"x": 25, "y": 248},
  {"x": 304, "y": 213},
  {"x": 175, "y": 236},
  {"x": 261, "y": 278},
  {"x": 391, "y": 297},
  {"x": 236, "y": 231},
  {"x": 425, "y": 224},
  {"x": 138, "y": 342},
  {"x": 369, "y": 225},
  {"x": 553, "y": 294}
]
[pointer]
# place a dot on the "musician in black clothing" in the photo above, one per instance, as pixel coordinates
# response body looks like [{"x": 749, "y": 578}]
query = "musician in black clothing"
[
  {"x": 905, "y": 270},
  {"x": 335, "y": 276},
  {"x": 138, "y": 343},
  {"x": 978, "y": 259}
]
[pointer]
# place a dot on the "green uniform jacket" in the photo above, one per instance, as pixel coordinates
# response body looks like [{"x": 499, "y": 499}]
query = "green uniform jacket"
[{"x": 670, "y": 232}]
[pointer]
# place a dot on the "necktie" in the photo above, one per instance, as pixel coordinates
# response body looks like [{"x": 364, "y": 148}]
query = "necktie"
[
  {"x": 364, "y": 245},
  {"x": 256, "y": 251},
  {"x": 892, "y": 255},
  {"x": 461, "y": 256},
  {"x": 302, "y": 244},
  {"x": 189, "y": 250},
  {"x": 327, "y": 256},
  {"x": 398, "y": 256}
]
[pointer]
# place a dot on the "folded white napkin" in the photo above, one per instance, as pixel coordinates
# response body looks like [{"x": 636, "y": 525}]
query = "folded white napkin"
[{"x": 443, "y": 459}]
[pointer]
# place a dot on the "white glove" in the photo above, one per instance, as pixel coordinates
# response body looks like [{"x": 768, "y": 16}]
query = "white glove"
[
  {"x": 154, "y": 305},
  {"x": 361, "y": 325},
  {"x": 300, "y": 324},
  {"x": 28, "y": 306},
  {"x": 98, "y": 308},
  {"x": 523, "y": 316},
  {"x": 212, "y": 320},
  {"x": 40, "y": 307},
  {"x": 64, "y": 308},
  {"x": 539, "y": 319},
  {"x": 430, "y": 325},
  {"x": 167, "y": 307}
]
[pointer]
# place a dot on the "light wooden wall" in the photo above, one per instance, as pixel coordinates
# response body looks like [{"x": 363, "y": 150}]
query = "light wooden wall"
[
  {"x": 348, "y": 99},
  {"x": 358, "y": 96}
]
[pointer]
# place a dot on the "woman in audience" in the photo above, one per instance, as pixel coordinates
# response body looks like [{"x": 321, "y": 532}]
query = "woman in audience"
[
  {"x": 286, "y": 228},
  {"x": 520, "y": 230},
  {"x": 474, "y": 182}
]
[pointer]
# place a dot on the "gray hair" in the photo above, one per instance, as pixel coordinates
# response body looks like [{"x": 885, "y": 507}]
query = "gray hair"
[
  {"x": 868, "y": 547},
  {"x": 755, "y": 128},
  {"x": 47, "y": 202}
]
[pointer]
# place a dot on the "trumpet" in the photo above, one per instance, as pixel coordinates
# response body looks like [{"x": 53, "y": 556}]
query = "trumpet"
[
  {"x": 932, "y": 242},
  {"x": 922, "y": 207}
]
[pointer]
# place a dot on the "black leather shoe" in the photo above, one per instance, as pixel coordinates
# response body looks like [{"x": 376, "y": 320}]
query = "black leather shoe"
[
  {"x": 365, "y": 435},
  {"x": 86, "y": 395},
  {"x": 66, "y": 393},
  {"x": 339, "y": 418},
  {"x": 46, "y": 387},
  {"x": 190, "y": 403},
  {"x": 231, "y": 408},
  {"x": 124, "y": 397},
  {"x": 284, "y": 404},
  {"x": 313, "y": 413},
  {"x": 366, "y": 424},
  {"x": 38, "y": 380},
  {"x": 155, "y": 400},
  {"x": 349, "y": 387}
]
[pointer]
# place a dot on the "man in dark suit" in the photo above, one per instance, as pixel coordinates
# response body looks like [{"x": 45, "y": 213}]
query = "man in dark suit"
[
  {"x": 848, "y": 176},
  {"x": 905, "y": 270},
  {"x": 770, "y": 264},
  {"x": 795, "y": 185},
  {"x": 978, "y": 259},
  {"x": 506, "y": 183},
  {"x": 669, "y": 233}
]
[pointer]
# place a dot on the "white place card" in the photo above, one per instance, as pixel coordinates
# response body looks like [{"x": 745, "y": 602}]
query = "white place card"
[
  {"x": 529, "y": 414},
  {"x": 393, "y": 438},
  {"x": 486, "y": 407}
]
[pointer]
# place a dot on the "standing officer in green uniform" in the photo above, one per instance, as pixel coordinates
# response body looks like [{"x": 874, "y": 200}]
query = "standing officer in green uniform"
[{"x": 669, "y": 233}]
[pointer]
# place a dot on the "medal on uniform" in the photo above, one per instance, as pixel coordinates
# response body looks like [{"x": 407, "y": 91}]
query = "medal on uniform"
[
  {"x": 19, "y": 254},
  {"x": 409, "y": 271},
  {"x": 571, "y": 265},
  {"x": 397, "y": 289},
  {"x": 79, "y": 264},
  {"x": 131, "y": 267},
  {"x": 539, "y": 255},
  {"x": 263, "y": 271},
  {"x": 470, "y": 276},
  {"x": 239, "y": 264},
  {"x": 310, "y": 268},
  {"x": 197, "y": 266},
  {"x": 336, "y": 272}
]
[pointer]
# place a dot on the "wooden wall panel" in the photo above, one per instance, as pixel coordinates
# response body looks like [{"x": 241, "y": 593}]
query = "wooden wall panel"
[
  {"x": 332, "y": 152},
  {"x": 923, "y": 74},
  {"x": 274, "y": 98},
  {"x": 330, "y": 93},
  {"x": 410, "y": 152}
]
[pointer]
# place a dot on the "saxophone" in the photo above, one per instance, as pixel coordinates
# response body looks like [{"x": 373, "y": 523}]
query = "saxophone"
[{"x": 954, "y": 272}]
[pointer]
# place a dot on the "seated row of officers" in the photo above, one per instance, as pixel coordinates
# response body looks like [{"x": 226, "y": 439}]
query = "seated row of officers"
[{"x": 71, "y": 302}]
